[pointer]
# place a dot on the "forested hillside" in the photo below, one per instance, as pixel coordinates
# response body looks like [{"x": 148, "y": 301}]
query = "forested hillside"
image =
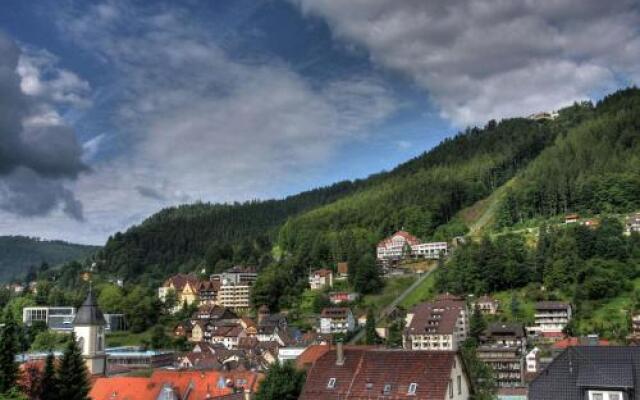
[
  {"x": 594, "y": 168},
  {"x": 18, "y": 254}
]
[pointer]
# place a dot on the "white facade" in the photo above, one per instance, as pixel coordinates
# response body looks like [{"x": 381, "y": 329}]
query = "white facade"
[
  {"x": 338, "y": 324},
  {"x": 91, "y": 341},
  {"x": 532, "y": 360},
  {"x": 56, "y": 318},
  {"x": 458, "y": 387},
  {"x": 550, "y": 320},
  {"x": 632, "y": 224},
  {"x": 431, "y": 251},
  {"x": 320, "y": 279},
  {"x": 289, "y": 353},
  {"x": 402, "y": 245},
  {"x": 234, "y": 295}
]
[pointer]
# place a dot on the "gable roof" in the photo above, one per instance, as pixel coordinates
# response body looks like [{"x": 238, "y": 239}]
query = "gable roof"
[
  {"x": 180, "y": 280},
  {"x": 366, "y": 372},
  {"x": 409, "y": 238},
  {"x": 581, "y": 367},
  {"x": 438, "y": 317}
]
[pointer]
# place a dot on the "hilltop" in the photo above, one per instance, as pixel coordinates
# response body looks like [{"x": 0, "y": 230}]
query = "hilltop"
[{"x": 19, "y": 253}]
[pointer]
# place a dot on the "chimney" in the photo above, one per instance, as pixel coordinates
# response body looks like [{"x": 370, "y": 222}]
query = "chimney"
[{"x": 339, "y": 353}]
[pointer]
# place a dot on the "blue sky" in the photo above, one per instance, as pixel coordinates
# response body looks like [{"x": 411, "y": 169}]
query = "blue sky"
[{"x": 125, "y": 107}]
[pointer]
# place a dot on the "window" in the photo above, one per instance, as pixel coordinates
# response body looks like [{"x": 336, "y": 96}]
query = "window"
[
  {"x": 450, "y": 389},
  {"x": 597, "y": 396},
  {"x": 387, "y": 389},
  {"x": 412, "y": 388},
  {"x": 614, "y": 396},
  {"x": 459, "y": 384},
  {"x": 332, "y": 383}
]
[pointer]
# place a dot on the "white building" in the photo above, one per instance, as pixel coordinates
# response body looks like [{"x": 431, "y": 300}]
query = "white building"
[
  {"x": 632, "y": 224},
  {"x": 404, "y": 245},
  {"x": 532, "y": 360},
  {"x": 320, "y": 279},
  {"x": 56, "y": 318},
  {"x": 551, "y": 318},
  {"x": 337, "y": 320},
  {"x": 438, "y": 325},
  {"x": 234, "y": 295}
]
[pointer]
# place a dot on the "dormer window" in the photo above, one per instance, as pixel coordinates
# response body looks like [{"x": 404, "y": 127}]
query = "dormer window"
[
  {"x": 387, "y": 389},
  {"x": 412, "y": 389},
  {"x": 332, "y": 383}
]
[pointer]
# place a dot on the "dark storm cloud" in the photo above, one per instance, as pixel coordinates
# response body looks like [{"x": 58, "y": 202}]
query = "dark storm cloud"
[{"x": 36, "y": 153}]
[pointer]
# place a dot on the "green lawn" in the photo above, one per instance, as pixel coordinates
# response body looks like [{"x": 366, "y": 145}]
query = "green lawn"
[{"x": 125, "y": 338}]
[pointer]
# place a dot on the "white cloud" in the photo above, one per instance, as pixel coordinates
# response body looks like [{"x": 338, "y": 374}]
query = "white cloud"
[
  {"x": 200, "y": 125},
  {"x": 485, "y": 59}
]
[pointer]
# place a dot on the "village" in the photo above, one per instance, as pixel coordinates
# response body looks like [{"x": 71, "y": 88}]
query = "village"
[{"x": 230, "y": 344}]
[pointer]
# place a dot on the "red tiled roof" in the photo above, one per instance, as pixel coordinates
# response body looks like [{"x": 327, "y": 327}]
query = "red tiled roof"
[
  {"x": 552, "y": 334},
  {"x": 180, "y": 280},
  {"x": 343, "y": 268},
  {"x": 311, "y": 354},
  {"x": 210, "y": 384},
  {"x": 323, "y": 272},
  {"x": 575, "y": 341},
  {"x": 365, "y": 373},
  {"x": 335, "y": 312},
  {"x": 411, "y": 240}
]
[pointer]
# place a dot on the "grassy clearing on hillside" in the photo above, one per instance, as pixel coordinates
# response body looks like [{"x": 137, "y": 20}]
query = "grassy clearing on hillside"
[
  {"x": 393, "y": 288},
  {"x": 124, "y": 338},
  {"x": 422, "y": 293}
]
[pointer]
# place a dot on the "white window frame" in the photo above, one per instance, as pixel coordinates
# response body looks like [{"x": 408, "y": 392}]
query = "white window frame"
[
  {"x": 412, "y": 389},
  {"x": 332, "y": 383}
]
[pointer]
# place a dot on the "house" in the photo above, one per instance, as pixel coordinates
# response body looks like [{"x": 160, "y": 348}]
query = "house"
[
  {"x": 438, "y": 325},
  {"x": 320, "y": 279},
  {"x": 235, "y": 286},
  {"x": 632, "y": 224},
  {"x": 343, "y": 269},
  {"x": 361, "y": 373},
  {"x": 336, "y": 320},
  {"x": 182, "y": 329},
  {"x": 591, "y": 223},
  {"x": 342, "y": 297},
  {"x": 502, "y": 347},
  {"x": 487, "y": 305},
  {"x": 167, "y": 384},
  {"x": 551, "y": 317},
  {"x": 590, "y": 373},
  {"x": 228, "y": 335},
  {"x": 532, "y": 360},
  {"x": 185, "y": 287},
  {"x": 571, "y": 218},
  {"x": 198, "y": 331},
  {"x": 208, "y": 292},
  {"x": 403, "y": 245},
  {"x": 544, "y": 115}
]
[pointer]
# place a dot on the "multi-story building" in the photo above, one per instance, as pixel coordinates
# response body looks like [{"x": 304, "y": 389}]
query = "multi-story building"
[
  {"x": 487, "y": 305},
  {"x": 234, "y": 295},
  {"x": 551, "y": 317},
  {"x": 438, "y": 325},
  {"x": 404, "y": 245},
  {"x": 237, "y": 275},
  {"x": 208, "y": 292},
  {"x": 632, "y": 224},
  {"x": 503, "y": 348},
  {"x": 336, "y": 320},
  {"x": 185, "y": 287},
  {"x": 320, "y": 279},
  {"x": 57, "y": 318}
]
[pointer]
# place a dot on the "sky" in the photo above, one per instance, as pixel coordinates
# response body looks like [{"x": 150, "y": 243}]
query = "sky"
[{"x": 112, "y": 110}]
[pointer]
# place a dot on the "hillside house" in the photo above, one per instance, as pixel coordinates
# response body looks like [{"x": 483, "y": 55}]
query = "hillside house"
[
  {"x": 320, "y": 279},
  {"x": 360, "y": 373},
  {"x": 402, "y": 245},
  {"x": 551, "y": 317},
  {"x": 336, "y": 320},
  {"x": 571, "y": 218},
  {"x": 590, "y": 373},
  {"x": 342, "y": 297},
  {"x": 502, "y": 347},
  {"x": 487, "y": 305},
  {"x": 438, "y": 325},
  {"x": 632, "y": 224},
  {"x": 185, "y": 287}
]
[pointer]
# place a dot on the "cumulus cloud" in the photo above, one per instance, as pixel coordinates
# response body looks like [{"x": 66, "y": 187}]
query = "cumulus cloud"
[
  {"x": 201, "y": 125},
  {"x": 38, "y": 152},
  {"x": 484, "y": 59}
]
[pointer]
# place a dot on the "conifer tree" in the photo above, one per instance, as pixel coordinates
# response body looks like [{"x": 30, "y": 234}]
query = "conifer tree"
[
  {"x": 477, "y": 325},
  {"x": 72, "y": 374},
  {"x": 8, "y": 351},
  {"x": 49, "y": 382},
  {"x": 371, "y": 337}
]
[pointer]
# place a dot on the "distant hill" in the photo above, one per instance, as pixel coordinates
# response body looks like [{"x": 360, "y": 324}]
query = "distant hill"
[
  {"x": 19, "y": 253},
  {"x": 585, "y": 160}
]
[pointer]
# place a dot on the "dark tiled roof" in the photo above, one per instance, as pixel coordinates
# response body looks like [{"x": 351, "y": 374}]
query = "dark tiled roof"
[
  {"x": 503, "y": 329},
  {"x": 334, "y": 312},
  {"x": 582, "y": 367},
  {"x": 551, "y": 305},
  {"x": 89, "y": 313},
  {"x": 437, "y": 317},
  {"x": 365, "y": 373}
]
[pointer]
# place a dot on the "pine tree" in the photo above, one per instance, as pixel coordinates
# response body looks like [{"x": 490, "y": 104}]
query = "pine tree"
[
  {"x": 395, "y": 333},
  {"x": 8, "y": 351},
  {"x": 371, "y": 337},
  {"x": 72, "y": 374},
  {"x": 477, "y": 325},
  {"x": 49, "y": 385}
]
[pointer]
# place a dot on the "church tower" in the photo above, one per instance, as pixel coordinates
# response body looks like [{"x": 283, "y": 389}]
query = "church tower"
[{"x": 89, "y": 326}]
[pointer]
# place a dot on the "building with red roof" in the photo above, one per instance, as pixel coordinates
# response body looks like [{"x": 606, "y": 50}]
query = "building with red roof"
[
  {"x": 362, "y": 373},
  {"x": 183, "y": 385},
  {"x": 440, "y": 325},
  {"x": 402, "y": 244}
]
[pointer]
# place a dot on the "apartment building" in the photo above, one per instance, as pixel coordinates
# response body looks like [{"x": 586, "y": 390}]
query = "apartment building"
[
  {"x": 502, "y": 347},
  {"x": 336, "y": 320},
  {"x": 438, "y": 325},
  {"x": 404, "y": 245},
  {"x": 551, "y": 317}
]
